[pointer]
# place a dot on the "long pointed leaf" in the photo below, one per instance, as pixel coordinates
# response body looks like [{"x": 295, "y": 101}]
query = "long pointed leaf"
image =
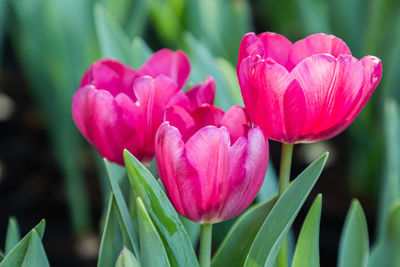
[
  {"x": 307, "y": 248},
  {"x": 354, "y": 247},
  {"x": 269, "y": 239},
  {"x": 13, "y": 235},
  {"x": 237, "y": 243},
  {"x": 166, "y": 219},
  {"x": 152, "y": 249},
  {"x": 127, "y": 259}
]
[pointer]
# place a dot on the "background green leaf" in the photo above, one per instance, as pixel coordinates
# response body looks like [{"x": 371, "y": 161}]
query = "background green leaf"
[
  {"x": 152, "y": 251},
  {"x": 271, "y": 235},
  {"x": 307, "y": 248},
  {"x": 354, "y": 245},
  {"x": 13, "y": 234}
]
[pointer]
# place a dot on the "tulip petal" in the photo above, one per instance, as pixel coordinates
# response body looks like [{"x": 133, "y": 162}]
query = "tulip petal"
[
  {"x": 202, "y": 93},
  {"x": 318, "y": 43},
  {"x": 207, "y": 152},
  {"x": 110, "y": 75},
  {"x": 263, "y": 86},
  {"x": 152, "y": 96},
  {"x": 248, "y": 161},
  {"x": 178, "y": 117},
  {"x": 249, "y": 46},
  {"x": 172, "y": 64},
  {"x": 207, "y": 115},
  {"x": 276, "y": 46},
  {"x": 102, "y": 121},
  {"x": 237, "y": 122},
  {"x": 294, "y": 107}
]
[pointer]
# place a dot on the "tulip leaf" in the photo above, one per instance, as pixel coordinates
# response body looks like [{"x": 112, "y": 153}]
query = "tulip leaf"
[
  {"x": 126, "y": 259},
  {"x": 13, "y": 234},
  {"x": 269, "y": 239},
  {"x": 121, "y": 209},
  {"x": 1, "y": 256},
  {"x": 29, "y": 252},
  {"x": 140, "y": 51},
  {"x": 152, "y": 250},
  {"x": 354, "y": 247},
  {"x": 237, "y": 243},
  {"x": 176, "y": 241},
  {"x": 192, "y": 229},
  {"x": 307, "y": 247}
]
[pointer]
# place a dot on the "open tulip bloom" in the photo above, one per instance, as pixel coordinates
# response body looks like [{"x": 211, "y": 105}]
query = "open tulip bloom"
[
  {"x": 117, "y": 107},
  {"x": 211, "y": 163},
  {"x": 303, "y": 92}
]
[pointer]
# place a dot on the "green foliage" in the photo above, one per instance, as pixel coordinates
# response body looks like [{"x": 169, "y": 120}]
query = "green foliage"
[
  {"x": 166, "y": 220},
  {"x": 126, "y": 259},
  {"x": 13, "y": 234},
  {"x": 266, "y": 245},
  {"x": 28, "y": 252},
  {"x": 307, "y": 248},
  {"x": 354, "y": 245}
]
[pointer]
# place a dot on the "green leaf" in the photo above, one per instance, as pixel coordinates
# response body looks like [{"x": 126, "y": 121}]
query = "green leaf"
[
  {"x": 172, "y": 232},
  {"x": 192, "y": 228},
  {"x": 314, "y": 15},
  {"x": 237, "y": 243},
  {"x": 126, "y": 259},
  {"x": 307, "y": 248},
  {"x": 385, "y": 252},
  {"x": 140, "y": 52},
  {"x": 1, "y": 256},
  {"x": 111, "y": 242},
  {"x": 29, "y": 252},
  {"x": 151, "y": 246},
  {"x": 40, "y": 227},
  {"x": 354, "y": 247},
  {"x": 269, "y": 239},
  {"x": 13, "y": 234},
  {"x": 121, "y": 209}
]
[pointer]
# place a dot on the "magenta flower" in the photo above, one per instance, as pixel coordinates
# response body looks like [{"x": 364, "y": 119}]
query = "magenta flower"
[
  {"x": 212, "y": 164},
  {"x": 117, "y": 107},
  {"x": 307, "y": 91}
]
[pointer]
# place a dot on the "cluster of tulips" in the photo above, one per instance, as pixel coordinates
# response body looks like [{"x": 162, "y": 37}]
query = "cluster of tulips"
[{"x": 212, "y": 163}]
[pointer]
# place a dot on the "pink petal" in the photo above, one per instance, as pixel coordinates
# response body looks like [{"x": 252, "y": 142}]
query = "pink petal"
[
  {"x": 152, "y": 97},
  {"x": 237, "y": 122},
  {"x": 207, "y": 152},
  {"x": 263, "y": 85},
  {"x": 181, "y": 119},
  {"x": 248, "y": 161},
  {"x": 180, "y": 99},
  {"x": 207, "y": 115},
  {"x": 295, "y": 110},
  {"x": 202, "y": 93},
  {"x": 172, "y": 64},
  {"x": 249, "y": 46},
  {"x": 110, "y": 75},
  {"x": 276, "y": 46},
  {"x": 316, "y": 75},
  {"x": 102, "y": 122},
  {"x": 318, "y": 43}
]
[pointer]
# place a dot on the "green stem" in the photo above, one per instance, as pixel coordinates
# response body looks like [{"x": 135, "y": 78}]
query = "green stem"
[
  {"x": 286, "y": 163},
  {"x": 284, "y": 181},
  {"x": 205, "y": 245}
]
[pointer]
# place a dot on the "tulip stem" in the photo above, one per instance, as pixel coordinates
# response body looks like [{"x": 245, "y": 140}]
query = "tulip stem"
[
  {"x": 205, "y": 245},
  {"x": 286, "y": 163},
  {"x": 284, "y": 181}
]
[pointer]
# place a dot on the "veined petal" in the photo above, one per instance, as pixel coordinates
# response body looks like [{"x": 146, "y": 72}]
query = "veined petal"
[
  {"x": 250, "y": 45},
  {"x": 248, "y": 161},
  {"x": 207, "y": 115},
  {"x": 178, "y": 117},
  {"x": 207, "y": 152},
  {"x": 295, "y": 110},
  {"x": 237, "y": 122},
  {"x": 172, "y": 64},
  {"x": 202, "y": 93},
  {"x": 276, "y": 46},
  {"x": 110, "y": 75},
  {"x": 318, "y": 43}
]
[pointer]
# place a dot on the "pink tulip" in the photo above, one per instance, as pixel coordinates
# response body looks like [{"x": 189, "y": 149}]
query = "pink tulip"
[
  {"x": 307, "y": 91},
  {"x": 212, "y": 164},
  {"x": 117, "y": 107}
]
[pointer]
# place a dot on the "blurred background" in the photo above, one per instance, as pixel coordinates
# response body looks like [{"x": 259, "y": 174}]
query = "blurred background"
[{"x": 48, "y": 171}]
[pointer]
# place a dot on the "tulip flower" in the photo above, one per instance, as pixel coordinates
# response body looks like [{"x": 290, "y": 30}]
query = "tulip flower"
[
  {"x": 117, "y": 107},
  {"x": 303, "y": 92},
  {"x": 211, "y": 163}
]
